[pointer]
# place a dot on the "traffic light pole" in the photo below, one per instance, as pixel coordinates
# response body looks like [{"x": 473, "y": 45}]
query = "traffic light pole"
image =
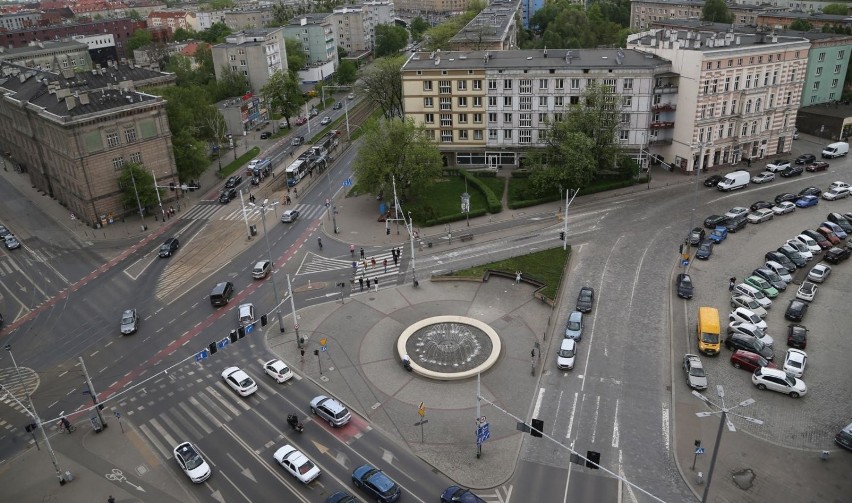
[{"x": 564, "y": 233}]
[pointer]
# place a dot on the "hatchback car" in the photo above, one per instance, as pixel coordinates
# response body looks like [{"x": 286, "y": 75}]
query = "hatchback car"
[
  {"x": 261, "y": 269},
  {"x": 747, "y": 360},
  {"x": 810, "y": 191},
  {"x": 772, "y": 277},
  {"x": 836, "y": 229},
  {"x": 805, "y": 159},
  {"x": 265, "y": 135},
  {"x": 300, "y": 121},
  {"x": 760, "y": 215},
  {"x": 233, "y": 182},
  {"x": 817, "y": 166},
  {"x": 736, "y": 211},
  {"x": 793, "y": 254},
  {"x": 297, "y": 140},
  {"x": 712, "y": 181},
  {"x": 11, "y": 242},
  {"x": 797, "y": 336},
  {"x": 821, "y": 241},
  {"x": 807, "y": 291},
  {"x": 766, "y": 176},
  {"x": 780, "y": 270},
  {"x": 842, "y": 221},
  {"x": 705, "y": 249},
  {"x": 808, "y": 241},
  {"x": 802, "y": 248},
  {"x": 239, "y": 381},
  {"x": 750, "y": 329},
  {"x": 792, "y": 171},
  {"x": 191, "y": 462},
  {"x": 325, "y": 120},
  {"x": 337, "y": 106},
  {"x": 834, "y": 194},
  {"x": 795, "y": 362},
  {"x": 779, "y": 165},
  {"x": 719, "y": 234},
  {"x": 245, "y": 314},
  {"x": 341, "y": 497},
  {"x": 129, "y": 322},
  {"x": 714, "y": 220},
  {"x": 837, "y": 255},
  {"x": 278, "y": 370},
  {"x": 778, "y": 380},
  {"x": 735, "y": 224},
  {"x": 807, "y": 201},
  {"x": 456, "y": 494},
  {"x": 574, "y": 327},
  {"x": 757, "y": 205},
  {"x": 696, "y": 235},
  {"x": 783, "y": 208},
  {"x": 796, "y": 310},
  {"x": 785, "y": 196},
  {"x": 762, "y": 285},
  {"x": 780, "y": 258},
  {"x": 748, "y": 303},
  {"x": 330, "y": 410},
  {"x": 567, "y": 354},
  {"x": 297, "y": 464},
  {"x": 694, "y": 370},
  {"x": 585, "y": 299},
  {"x": 4, "y": 231},
  {"x": 838, "y": 184},
  {"x": 289, "y": 216},
  {"x": 819, "y": 273},
  {"x": 169, "y": 247},
  {"x": 747, "y": 316},
  {"x": 684, "y": 286},
  {"x": 830, "y": 236},
  {"x": 378, "y": 485},
  {"x": 736, "y": 341}
]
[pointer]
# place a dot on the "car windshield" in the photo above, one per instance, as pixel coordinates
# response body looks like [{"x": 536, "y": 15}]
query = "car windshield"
[
  {"x": 193, "y": 461},
  {"x": 164, "y": 247},
  {"x": 573, "y": 325},
  {"x": 306, "y": 467},
  {"x": 696, "y": 371},
  {"x": 791, "y": 381},
  {"x": 127, "y": 319},
  {"x": 794, "y": 363},
  {"x": 686, "y": 282},
  {"x": 566, "y": 353},
  {"x": 709, "y": 338}
]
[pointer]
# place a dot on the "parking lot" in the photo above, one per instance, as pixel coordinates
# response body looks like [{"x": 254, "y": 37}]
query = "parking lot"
[{"x": 811, "y": 421}]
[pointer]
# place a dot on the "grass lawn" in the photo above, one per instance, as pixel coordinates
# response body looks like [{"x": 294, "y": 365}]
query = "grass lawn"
[
  {"x": 545, "y": 266},
  {"x": 496, "y": 184},
  {"x": 444, "y": 198}
]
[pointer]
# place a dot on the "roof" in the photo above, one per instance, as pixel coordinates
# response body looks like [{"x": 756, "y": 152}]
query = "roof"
[
  {"x": 42, "y": 48},
  {"x": 533, "y": 58},
  {"x": 697, "y": 25},
  {"x": 311, "y": 18},
  {"x": 489, "y": 25},
  {"x": 710, "y": 39}
]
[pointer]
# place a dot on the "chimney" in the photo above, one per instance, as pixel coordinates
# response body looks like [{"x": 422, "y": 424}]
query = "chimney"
[
  {"x": 84, "y": 99},
  {"x": 70, "y": 103}
]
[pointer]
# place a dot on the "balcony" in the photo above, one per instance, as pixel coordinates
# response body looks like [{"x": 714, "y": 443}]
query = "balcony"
[
  {"x": 664, "y": 107},
  {"x": 666, "y": 89},
  {"x": 660, "y": 141},
  {"x": 662, "y": 125}
]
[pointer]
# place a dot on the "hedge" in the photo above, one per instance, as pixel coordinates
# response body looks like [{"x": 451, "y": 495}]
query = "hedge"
[
  {"x": 455, "y": 217},
  {"x": 494, "y": 205}
]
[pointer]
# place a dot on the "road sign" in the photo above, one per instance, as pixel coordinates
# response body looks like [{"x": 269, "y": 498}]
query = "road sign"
[
  {"x": 249, "y": 328},
  {"x": 421, "y": 409},
  {"x": 421, "y": 423},
  {"x": 323, "y": 348},
  {"x": 323, "y": 341},
  {"x": 699, "y": 450},
  {"x": 224, "y": 342},
  {"x": 117, "y": 414},
  {"x": 201, "y": 355},
  {"x": 296, "y": 326},
  {"x": 483, "y": 433},
  {"x": 347, "y": 182},
  {"x": 684, "y": 262}
]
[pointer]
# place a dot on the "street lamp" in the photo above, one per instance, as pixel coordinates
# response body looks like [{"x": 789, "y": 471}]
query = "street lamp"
[
  {"x": 723, "y": 412},
  {"x": 700, "y": 146},
  {"x": 264, "y": 206},
  {"x": 465, "y": 203}
]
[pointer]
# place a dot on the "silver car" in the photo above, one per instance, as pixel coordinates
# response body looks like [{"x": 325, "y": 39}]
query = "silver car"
[
  {"x": 694, "y": 370},
  {"x": 330, "y": 410},
  {"x": 129, "y": 322},
  {"x": 574, "y": 327}
]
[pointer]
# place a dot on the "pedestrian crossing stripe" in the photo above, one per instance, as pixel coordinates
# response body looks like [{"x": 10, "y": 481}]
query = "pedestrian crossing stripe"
[{"x": 209, "y": 211}]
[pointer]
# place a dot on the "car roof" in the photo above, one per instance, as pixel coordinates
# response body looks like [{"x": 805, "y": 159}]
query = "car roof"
[
  {"x": 261, "y": 263},
  {"x": 575, "y": 316},
  {"x": 568, "y": 343},
  {"x": 773, "y": 372}
]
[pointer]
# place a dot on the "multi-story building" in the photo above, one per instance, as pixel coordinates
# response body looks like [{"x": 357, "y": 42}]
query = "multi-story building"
[
  {"x": 50, "y": 56},
  {"x": 737, "y": 93},
  {"x": 244, "y": 19},
  {"x": 528, "y": 10},
  {"x": 376, "y": 12},
  {"x": 355, "y": 25},
  {"x": 256, "y": 54},
  {"x": 494, "y": 28},
  {"x": 441, "y": 6},
  {"x": 101, "y": 47},
  {"x": 122, "y": 29},
  {"x": 316, "y": 34},
  {"x": 19, "y": 20},
  {"x": 778, "y": 20},
  {"x": 792, "y": 5},
  {"x": 172, "y": 19},
  {"x": 207, "y": 18},
  {"x": 644, "y": 13},
  {"x": 147, "y": 55},
  {"x": 487, "y": 108},
  {"x": 73, "y": 133}
]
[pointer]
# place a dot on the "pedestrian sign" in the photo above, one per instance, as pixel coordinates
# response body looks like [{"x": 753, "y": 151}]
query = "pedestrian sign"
[
  {"x": 699, "y": 450},
  {"x": 323, "y": 348},
  {"x": 347, "y": 182},
  {"x": 201, "y": 355},
  {"x": 249, "y": 328},
  {"x": 421, "y": 409}
]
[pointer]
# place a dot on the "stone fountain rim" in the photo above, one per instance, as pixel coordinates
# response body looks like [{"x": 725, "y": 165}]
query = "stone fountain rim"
[{"x": 451, "y": 376}]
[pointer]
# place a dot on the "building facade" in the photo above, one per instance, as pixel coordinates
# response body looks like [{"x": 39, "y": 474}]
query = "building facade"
[
  {"x": 376, "y": 12},
  {"x": 19, "y": 20},
  {"x": 644, "y": 13},
  {"x": 746, "y": 89},
  {"x": 172, "y": 19},
  {"x": 528, "y": 10},
  {"x": 206, "y": 19},
  {"x": 487, "y": 108},
  {"x": 50, "y": 56},
  {"x": 256, "y": 54},
  {"x": 828, "y": 61},
  {"x": 349, "y": 30},
  {"x": 442, "y": 6},
  {"x": 73, "y": 133},
  {"x": 121, "y": 29},
  {"x": 242, "y": 19},
  {"x": 316, "y": 34},
  {"x": 494, "y": 28},
  {"x": 101, "y": 47}
]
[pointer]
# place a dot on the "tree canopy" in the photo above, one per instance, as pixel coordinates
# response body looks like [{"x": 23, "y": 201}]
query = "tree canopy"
[
  {"x": 283, "y": 95},
  {"x": 716, "y": 11},
  {"x": 438, "y": 37},
  {"x": 133, "y": 180},
  {"x": 800, "y": 25},
  {"x": 346, "y": 73},
  {"x": 296, "y": 58},
  {"x": 382, "y": 84},
  {"x": 418, "y": 27},
  {"x": 139, "y": 39},
  {"x": 838, "y": 9},
  {"x": 565, "y": 24},
  {"x": 215, "y": 34},
  {"x": 390, "y": 39}
]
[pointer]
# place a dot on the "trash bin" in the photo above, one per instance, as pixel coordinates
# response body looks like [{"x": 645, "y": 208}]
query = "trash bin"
[{"x": 253, "y": 229}]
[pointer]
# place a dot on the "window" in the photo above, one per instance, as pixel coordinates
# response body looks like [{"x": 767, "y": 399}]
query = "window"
[
  {"x": 816, "y": 86},
  {"x": 525, "y": 86},
  {"x": 560, "y": 83},
  {"x": 706, "y": 87},
  {"x": 136, "y": 157},
  {"x": 724, "y": 107},
  {"x": 754, "y": 128},
  {"x": 112, "y": 139},
  {"x": 233, "y": 57},
  {"x": 609, "y": 85},
  {"x": 821, "y": 57},
  {"x": 715, "y": 86},
  {"x": 507, "y": 101},
  {"x": 757, "y": 103},
  {"x": 542, "y": 117},
  {"x": 477, "y": 118},
  {"x": 765, "y": 79},
  {"x": 477, "y": 101},
  {"x": 444, "y": 87},
  {"x": 507, "y": 134},
  {"x": 525, "y": 120},
  {"x": 507, "y": 117},
  {"x": 492, "y": 101},
  {"x": 429, "y": 118},
  {"x": 575, "y": 84},
  {"x": 628, "y": 84},
  {"x": 492, "y": 134},
  {"x": 748, "y": 82},
  {"x": 542, "y": 83},
  {"x": 730, "y": 129},
  {"x": 463, "y": 134},
  {"x": 462, "y": 118},
  {"x": 744, "y": 130},
  {"x": 574, "y": 100},
  {"x": 130, "y": 135},
  {"x": 703, "y": 113},
  {"x": 771, "y": 101},
  {"x": 461, "y": 85},
  {"x": 841, "y": 54},
  {"x": 625, "y": 118},
  {"x": 767, "y": 123},
  {"x": 748, "y": 107},
  {"x": 833, "y": 83},
  {"x": 788, "y": 98},
  {"x": 774, "y": 77},
  {"x": 525, "y": 103},
  {"x": 446, "y": 103},
  {"x": 559, "y": 101},
  {"x": 709, "y": 65},
  {"x": 737, "y": 83},
  {"x": 242, "y": 62},
  {"x": 627, "y": 101},
  {"x": 831, "y": 95},
  {"x": 462, "y": 100},
  {"x": 557, "y": 117},
  {"x": 525, "y": 136},
  {"x": 430, "y": 133},
  {"x": 427, "y": 85},
  {"x": 721, "y": 133},
  {"x": 446, "y": 120},
  {"x": 836, "y": 69},
  {"x": 477, "y": 134},
  {"x": 492, "y": 117},
  {"x": 813, "y": 99},
  {"x": 507, "y": 84},
  {"x": 793, "y": 75},
  {"x": 624, "y": 135},
  {"x": 117, "y": 163},
  {"x": 733, "y": 107},
  {"x": 428, "y": 103},
  {"x": 542, "y": 101},
  {"x": 446, "y": 136},
  {"x": 492, "y": 85}
]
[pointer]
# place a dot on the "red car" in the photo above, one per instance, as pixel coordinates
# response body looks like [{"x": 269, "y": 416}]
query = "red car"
[
  {"x": 817, "y": 166},
  {"x": 829, "y": 235},
  {"x": 749, "y": 361},
  {"x": 300, "y": 121}
]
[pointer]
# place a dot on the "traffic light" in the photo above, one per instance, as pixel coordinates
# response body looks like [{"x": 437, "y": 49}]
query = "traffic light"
[
  {"x": 233, "y": 336},
  {"x": 593, "y": 460},
  {"x": 316, "y": 352},
  {"x": 172, "y": 186},
  {"x": 537, "y": 428},
  {"x": 561, "y": 235},
  {"x": 387, "y": 230},
  {"x": 242, "y": 332},
  {"x": 681, "y": 250},
  {"x": 212, "y": 348},
  {"x": 263, "y": 320},
  {"x": 31, "y": 427}
]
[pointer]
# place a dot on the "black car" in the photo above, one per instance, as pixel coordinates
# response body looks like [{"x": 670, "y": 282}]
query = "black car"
[
  {"x": 337, "y": 106},
  {"x": 761, "y": 205},
  {"x": 696, "y": 236},
  {"x": 456, "y": 494},
  {"x": 796, "y": 310},
  {"x": 797, "y": 336},
  {"x": 684, "y": 286},
  {"x": 585, "y": 299},
  {"x": 772, "y": 277},
  {"x": 736, "y": 341},
  {"x": 781, "y": 259},
  {"x": 169, "y": 247},
  {"x": 805, "y": 159},
  {"x": 266, "y": 134},
  {"x": 713, "y": 220},
  {"x": 786, "y": 196},
  {"x": 842, "y": 221},
  {"x": 792, "y": 171},
  {"x": 233, "y": 181},
  {"x": 705, "y": 249},
  {"x": 713, "y": 181},
  {"x": 837, "y": 255},
  {"x": 735, "y": 224},
  {"x": 810, "y": 191},
  {"x": 794, "y": 255},
  {"x": 341, "y": 497},
  {"x": 227, "y": 195}
]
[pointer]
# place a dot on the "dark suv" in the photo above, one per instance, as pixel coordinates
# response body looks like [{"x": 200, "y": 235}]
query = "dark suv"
[
  {"x": 794, "y": 255},
  {"x": 233, "y": 181},
  {"x": 696, "y": 236},
  {"x": 737, "y": 341},
  {"x": 781, "y": 259},
  {"x": 227, "y": 195},
  {"x": 836, "y": 255},
  {"x": 169, "y": 247},
  {"x": 735, "y": 224}
]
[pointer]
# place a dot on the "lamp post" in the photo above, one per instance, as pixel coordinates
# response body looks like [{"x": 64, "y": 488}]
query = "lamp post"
[
  {"x": 701, "y": 146},
  {"x": 157, "y": 190},
  {"x": 723, "y": 412},
  {"x": 8, "y": 347},
  {"x": 465, "y": 203},
  {"x": 264, "y": 206}
]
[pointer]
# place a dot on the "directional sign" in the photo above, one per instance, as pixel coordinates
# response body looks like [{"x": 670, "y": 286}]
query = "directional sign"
[
  {"x": 224, "y": 342},
  {"x": 249, "y": 328},
  {"x": 684, "y": 262},
  {"x": 483, "y": 433},
  {"x": 347, "y": 182},
  {"x": 323, "y": 341},
  {"x": 699, "y": 450},
  {"x": 323, "y": 348},
  {"x": 201, "y": 355}
]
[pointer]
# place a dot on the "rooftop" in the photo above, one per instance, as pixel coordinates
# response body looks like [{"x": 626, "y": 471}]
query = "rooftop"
[
  {"x": 490, "y": 24},
  {"x": 534, "y": 58},
  {"x": 247, "y": 36},
  {"x": 41, "y": 48},
  {"x": 704, "y": 26},
  {"x": 710, "y": 39},
  {"x": 311, "y": 18}
]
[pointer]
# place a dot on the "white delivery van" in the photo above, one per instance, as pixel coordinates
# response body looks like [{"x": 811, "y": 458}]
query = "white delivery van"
[
  {"x": 734, "y": 180},
  {"x": 835, "y": 150}
]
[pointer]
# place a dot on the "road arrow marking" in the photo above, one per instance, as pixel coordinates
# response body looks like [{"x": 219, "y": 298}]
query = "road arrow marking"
[
  {"x": 320, "y": 447},
  {"x": 138, "y": 488}
]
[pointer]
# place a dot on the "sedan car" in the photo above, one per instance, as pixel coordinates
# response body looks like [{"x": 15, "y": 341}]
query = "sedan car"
[
  {"x": 712, "y": 181},
  {"x": 337, "y": 106},
  {"x": 785, "y": 196},
  {"x": 748, "y": 303},
  {"x": 261, "y": 269},
  {"x": 807, "y": 291},
  {"x": 567, "y": 354},
  {"x": 747, "y": 316},
  {"x": 585, "y": 299},
  {"x": 301, "y": 121},
  {"x": 245, "y": 314},
  {"x": 778, "y": 380},
  {"x": 760, "y": 204},
  {"x": 819, "y": 273},
  {"x": 821, "y": 241},
  {"x": 817, "y": 166},
  {"x": 378, "y": 485},
  {"x": 795, "y": 362},
  {"x": 684, "y": 286},
  {"x": 783, "y": 208},
  {"x": 737, "y": 340},
  {"x": 805, "y": 159},
  {"x": 714, "y": 220},
  {"x": 4, "y": 231},
  {"x": 779, "y": 165},
  {"x": 694, "y": 370},
  {"x": 810, "y": 191},
  {"x": 781, "y": 259},
  {"x": 191, "y": 462},
  {"x": 297, "y": 464},
  {"x": 239, "y": 381},
  {"x": 796, "y": 310},
  {"x": 11, "y": 242},
  {"x": 829, "y": 235},
  {"x": 330, "y": 410},
  {"x": 797, "y": 336},
  {"x": 227, "y": 195},
  {"x": 793, "y": 254},
  {"x": 837, "y": 255},
  {"x": 842, "y": 221},
  {"x": 705, "y": 249},
  {"x": 843, "y": 438},
  {"x": 836, "y": 229},
  {"x": 751, "y": 330},
  {"x": 341, "y": 497},
  {"x": 289, "y": 216},
  {"x": 129, "y": 322},
  {"x": 456, "y": 494},
  {"x": 835, "y": 194},
  {"x": 696, "y": 235},
  {"x": 574, "y": 327},
  {"x": 839, "y": 184},
  {"x": 736, "y": 211},
  {"x": 233, "y": 181},
  {"x": 766, "y": 176},
  {"x": 278, "y": 370},
  {"x": 807, "y": 201},
  {"x": 735, "y": 224},
  {"x": 801, "y": 247},
  {"x": 325, "y": 120},
  {"x": 792, "y": 171},
  {"x": 747, "y": 360},
  {"x": 761, "y": 215}
]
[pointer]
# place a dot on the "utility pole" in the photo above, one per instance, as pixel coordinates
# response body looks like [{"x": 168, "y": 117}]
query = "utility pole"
[
  {"x": 92, "y": 392},
  {"x": 264, "y": 207},
  {"x": 138, "y": 204},
  {"x": 40, "y": 426},
  {"x": 293, "y": 308},
  {"x": 245, "y": 217}
]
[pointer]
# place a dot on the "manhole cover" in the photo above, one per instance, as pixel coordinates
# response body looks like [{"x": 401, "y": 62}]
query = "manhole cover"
[{"x": 744, "y": 478}]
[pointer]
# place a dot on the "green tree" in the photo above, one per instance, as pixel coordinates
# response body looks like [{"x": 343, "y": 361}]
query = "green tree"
[
  {"x": 418, "y": 27},
  {"x": 800, "y": 25},
  {"x": 838, "y": 9},
  {"x": 341, "y": 53},
  {"x": 296, "y": 57},
  {"x": 133, "y": 180},
  {"x": 565, "y": 161},
  {"x": 716, "y": 11},
  {"x": 139, "y": 39},
  {"x": 397, "y": 150},
  {"x": 382, "y": 84},
  {"x": 182, "y": 34},
  {"x": 204, "y": 58},
  {"x": 215, "y": 34},
  {"x": 190, "y": 155},
  {"x": 230, "y": 83},
  {"x": 134, "y": 15},
  {"x": 346, "y": 72},
  {"x": 598, "y": 116},
  {"x": 390, "y": 39},
  {"x": 283, "y": 95}
]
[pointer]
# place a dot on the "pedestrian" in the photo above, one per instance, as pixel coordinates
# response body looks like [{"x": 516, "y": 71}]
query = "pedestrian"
[
  {"x": 354, "y": 268},
  {"x": 362, "y": 254},
  {"x": 376, "y": 282},
  {"x": 110, "y": 499},
  {"x": 368, "y": 283},
  {"x": 749, "y": 162},
  {"x": 518, "y": 278},
  {"x": 352, "y": 250},
  {"x": 289, "y": 201},
  {"x": 395, "y": 259},
  {"x": 385, "y": 263},
  {"x": 288, "y": 189},
  {"x": 361, "y": 283},
  {"x": 172, "y": 210},
  {"x": 731, "y": 284},
  {"x": 364, "y": 265},
  {"x": 373, "y": 261}
]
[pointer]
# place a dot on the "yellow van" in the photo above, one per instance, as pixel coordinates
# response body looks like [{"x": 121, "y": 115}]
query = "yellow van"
[{"x": 708, "y": 331}]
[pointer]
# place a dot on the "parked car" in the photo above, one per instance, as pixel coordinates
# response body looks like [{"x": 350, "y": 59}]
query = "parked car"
[
  {"x": 802, "y": 248},
  {"x": 684, "y": 286},
  {"x": 760, "y": 205},
  {"x": 696, "y": 235},
  {"x": 574, "y": 327},
  {"x": 809, "y": 242},
  {"x": 785, "y": 196},
  {"x": 829, "y": 235},
  {"x": 4, "y": 232},
  {"x": 780, "y": 270},
  {"x": 810, "y": 191},
  {"x": 330, "y": 410},
  {"x": 749, "y": 303},
  {"x": 807, "y": 291},
  {"x": 375, "y": 483},
  {"x": 797, "y": 336},
  {"x": 835, "y": 194},
  {"x": 719, "y": 234},
  {"x": 807, "y": 201},
  {"x": 778, "y": 380},
  {"x": 763, "y": 177},
  {"x": 747, "y": 316},
  {"x": 796, "y": 310},
  {"x": 778, "y": 166},
  {"x": 265, "y": 135},
  {"x": 838, "y": 184},
  {"x": 795, "y": 362},
  {"x": 694, "y": 370},
  {"x": 836, "y": 229},
  {"x": 819, "y": 273},
  {"x": 714, "y": 221},
  {"x": 239, "y": 381},
  {"x": 736, "y": 212},
  {"x": 750, "y": 329},
  {"x": 783, "y": 208},
  {"x": 567, "y": 354},
  {"x": 840, "y": 220},
  {"x": 805, "y": 159},
  {"x": 780, "y": 258},
  {"x": 761, "y": 215},
  {"x": 748, "y": 360},
  {"x": 837, "y": 255},
  {"x": 762, "y": 285},
  {"x": 844, "y": 437},
  {"x": 585, "y": 299},
  {"x": 129, "y": 322},
  {"x": 792, "y": 171},
  {"x": 793, "y": 254},
  {"x": 820, "y": 240},
  {"x": 712, "y": 181},
  {"x": 169, "y": 247},
  {"x": 817, "y": 166},
  {"x": 735, "y": 224},
  {"x": 705, "y": 249},
  {"x": 314, "y": 112},
  {"x": 737, "y": 340}
]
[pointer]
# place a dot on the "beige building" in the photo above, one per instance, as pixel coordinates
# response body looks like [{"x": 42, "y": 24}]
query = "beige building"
[
  {"x": 644, "y": 13},
  {"x": 737, "y": 93},
  {"x": 256, "y": 54},
  {"x": 243, "y": 19},
  {"x": 172, "y": 19},
  {"x": 73, "y": 133},
  {"x": 50, "y": 56},
  {"x": 487, "y": 108}
]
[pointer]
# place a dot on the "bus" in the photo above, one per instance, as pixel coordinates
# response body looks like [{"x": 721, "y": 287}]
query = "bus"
[
  {"x": 708, "y": 331},
  {"x": 296, "y": 171}
]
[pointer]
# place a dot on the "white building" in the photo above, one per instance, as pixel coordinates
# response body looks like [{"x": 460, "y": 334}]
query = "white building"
[{"x": 256, "y": 54}]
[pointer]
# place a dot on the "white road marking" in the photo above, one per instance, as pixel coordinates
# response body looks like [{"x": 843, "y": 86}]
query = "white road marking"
[
  {"x": 538, "y": 402},
  {"x": 595, "y": 421},
  {"x": 573, "y": 411},
  {"x": 615, "y": 427},
  {"x": 666, "y": 428},
  {"x": 558, "y": 407},
  {"x": 621, "y": 474}
]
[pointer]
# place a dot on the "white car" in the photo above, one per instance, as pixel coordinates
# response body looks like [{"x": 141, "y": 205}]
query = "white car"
[
  {"x": 239, "y": 381},
  {"x": 766, "y": 176},
  {"x": 761, "y": 215},
  {"x": 778, "y": 380},
  {"x": 839, "y": 185},
  {"x": 747, "y": 316},
  {"x": 736, "y": 212},
  {"x": 777, "y": 166},
  {"x": 836, "y": 193},
  {"x": 325, "y": 120},
  {"x": 748, "y": 303},
  {"x": 809, "y": 242},
  {"x": 567, "y": 354},
  {"x": 297, "y": 464},
  {"x": 252, "y": 163},
  {"x": 795, "y": 361},
  {"x": 807, "y": 291},
  {"x": 802, "y": 248},
  {"x": 191, "y": 462},
  {"x": 784, "y": 207},
  {"x": 278, "y": 370},
  {"x": 245, "y": 313},
  {"x": 752, "y": 330},
  {"x": 819, "y": 272}
]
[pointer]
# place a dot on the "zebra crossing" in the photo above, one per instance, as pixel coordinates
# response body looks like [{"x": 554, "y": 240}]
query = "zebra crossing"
[
  {"x": 235, "y": 212},
  {"x": 29, "y": 258}
]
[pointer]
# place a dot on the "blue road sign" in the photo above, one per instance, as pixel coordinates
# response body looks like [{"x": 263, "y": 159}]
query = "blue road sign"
[
  {"x": 699, "y": 450},
  {"x": 684, "y": 262},
  {"x": 249, "y": 328},
  {"x": 224, "y": 342},
  {"x": 323, "y": 348},
  {"x": 117, "y": 414},
  {"x": 483, "y": 433},
  {"x": 201, "y": 355},
  {"x": 347, "y": 182}
]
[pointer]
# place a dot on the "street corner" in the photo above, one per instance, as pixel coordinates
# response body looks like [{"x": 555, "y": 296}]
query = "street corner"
[{"x": 459, "y": 461}]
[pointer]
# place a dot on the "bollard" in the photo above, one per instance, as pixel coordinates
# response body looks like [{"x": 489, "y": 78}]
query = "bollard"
[
  {"x": 699, "y": 479},
  {"x": 823, "y": 455}
]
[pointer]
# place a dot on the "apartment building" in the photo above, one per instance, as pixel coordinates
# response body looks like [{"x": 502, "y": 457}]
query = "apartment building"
[
  {"x": 644, "y": 13},
  {"x": 256, "y": 53},
  {"x": 50, "y": 56},
  {"x": 441, "y": 6},
  {"x": 792, "y": 5},
  {"x": 122, "y": 29},
  {"x": 316, "y": 34},
  {"x": 207, "y": 18},
  {"x": 528, "y": 10},
  {"x": 172, "y": 19},
  {"x": 494, "y": 28},
  {"x": 376, "y": 12},
  {"x": 241, "y": 19},
  {"x": 487, "y": 108},
  {"x": 19, "y": 20},
  {"x": 73, "y": 134},
  {"x": 738, "y": 93},
  {"x": 355, "y": 25},
  {"x": 778, "y": 20},
  {"x": 101, "y": 47}
]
